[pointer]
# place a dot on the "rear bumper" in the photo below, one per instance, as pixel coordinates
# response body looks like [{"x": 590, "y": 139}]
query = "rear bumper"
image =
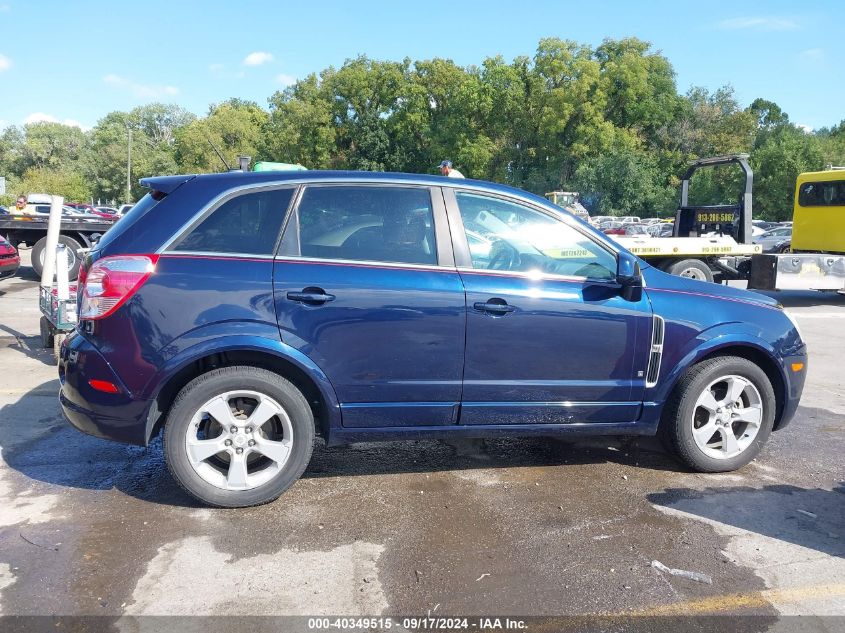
[{"x": 111, "y": 416}]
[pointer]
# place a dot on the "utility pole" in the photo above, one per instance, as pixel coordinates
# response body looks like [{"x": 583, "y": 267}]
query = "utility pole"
[{"x": 129, "y": 165}]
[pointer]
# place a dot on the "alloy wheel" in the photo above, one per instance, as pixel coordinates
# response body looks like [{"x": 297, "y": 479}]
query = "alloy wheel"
[
  {"x": 239, "y": 440},
  {"x": 727, "y": 417}
]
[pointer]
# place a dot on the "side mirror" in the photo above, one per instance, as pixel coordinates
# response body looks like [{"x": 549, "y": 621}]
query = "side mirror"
[{"x": 629, "y": 276}]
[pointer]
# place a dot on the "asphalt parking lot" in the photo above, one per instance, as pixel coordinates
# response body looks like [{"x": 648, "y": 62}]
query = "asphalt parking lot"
[{"x": 529, "y": 526}]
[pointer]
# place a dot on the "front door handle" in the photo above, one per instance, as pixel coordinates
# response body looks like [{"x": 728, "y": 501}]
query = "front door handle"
[
  {"x": 311, "y": 296},
  {"x": 494, "y": 306}
]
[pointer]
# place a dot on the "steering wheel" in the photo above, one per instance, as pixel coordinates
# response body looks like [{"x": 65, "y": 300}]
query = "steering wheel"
[
  {"x": 503, "y": 256},
  {"x": 592, "y": 271}
]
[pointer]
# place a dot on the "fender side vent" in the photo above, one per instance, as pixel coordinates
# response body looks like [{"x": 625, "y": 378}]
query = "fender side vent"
[{"x": 657, "y": 332}]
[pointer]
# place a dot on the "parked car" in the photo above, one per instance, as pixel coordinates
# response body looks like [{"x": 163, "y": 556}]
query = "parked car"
[
  {"x": 660, "y": 229},
  {"x": 108, "y": 210},
  {"x": 777, "y": 240},
  {"x": 631, "y": 230},
  {"x": 44, "y": 209},
  {"x": 764, "y": 225},
  {"x": 630, "y": 219},
  {"x": 88, "y": 209},
  {"x": 610, "y": 224},
  {"x": 255, "y": 310},
  {"x": 10, "y": 260},
  {"x": 124, "y": 209}
]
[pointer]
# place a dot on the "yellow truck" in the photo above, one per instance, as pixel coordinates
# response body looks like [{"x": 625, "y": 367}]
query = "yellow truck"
[{"x": 817, "y": 260}]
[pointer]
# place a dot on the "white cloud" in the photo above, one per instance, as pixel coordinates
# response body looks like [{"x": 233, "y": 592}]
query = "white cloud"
[
  {"x": 286, "y": 80},
  {"x": 40, "y": 117},
  {"x": 5, "y": 63},
  {"x": 43, "y": 117},
  {"x": 812, "y": 54},
  {"x": 804, "y": 128},
  {"x": 75, "y": 123},
  {"x": 759, "y": 23},
  {"x": 257, "y": 58},
  {"x": 142, "y": 91}
]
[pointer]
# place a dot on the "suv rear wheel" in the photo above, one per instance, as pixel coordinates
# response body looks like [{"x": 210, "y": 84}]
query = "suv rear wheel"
[
  {"x": 238, "y": 436},
  {"x": 720, "y": 414}
]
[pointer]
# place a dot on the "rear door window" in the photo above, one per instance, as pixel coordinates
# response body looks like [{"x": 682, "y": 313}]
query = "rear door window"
[
  {"x": 247, "y": 224},
  {"x": 363, "y": 223}
]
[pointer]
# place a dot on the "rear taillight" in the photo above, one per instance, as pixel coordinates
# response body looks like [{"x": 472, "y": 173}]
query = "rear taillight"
[{"x": 111, "y": 281}]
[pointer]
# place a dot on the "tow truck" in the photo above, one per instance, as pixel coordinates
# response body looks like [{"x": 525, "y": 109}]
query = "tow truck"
[
  {"x": 75, "y": 232},
  {"x": 709, "y": 242},
  {"x": 713, "y": 242}
]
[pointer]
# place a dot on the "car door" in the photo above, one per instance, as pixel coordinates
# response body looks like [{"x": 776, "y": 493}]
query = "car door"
[
  {"x": 365, "y": 286},
  {"x": 550, "y": 338}
]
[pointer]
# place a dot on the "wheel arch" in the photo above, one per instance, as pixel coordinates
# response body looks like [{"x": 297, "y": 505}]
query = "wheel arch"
[
  {"x": 756, "y": 353},
  {"x": 304, "y": 375}
]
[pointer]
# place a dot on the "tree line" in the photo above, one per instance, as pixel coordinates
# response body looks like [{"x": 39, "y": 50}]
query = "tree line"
[{"x": 606, "y": 121}]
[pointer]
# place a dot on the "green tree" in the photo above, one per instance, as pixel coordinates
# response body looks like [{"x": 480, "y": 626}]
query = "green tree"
[
  {"x": 300, "y": 128},
  {"x": 51, "y": 145},
  {"x": 783, "y": 155},
  {"x": 62, "y": 181},
  {"x": 232, "y": 127}
]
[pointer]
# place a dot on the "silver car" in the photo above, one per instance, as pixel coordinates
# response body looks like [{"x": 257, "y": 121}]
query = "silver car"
[{"x": 775, "y": 240}]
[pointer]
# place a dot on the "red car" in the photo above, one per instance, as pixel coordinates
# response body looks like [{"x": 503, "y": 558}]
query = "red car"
[
  {"x": 9, "y": 259},
  {"x": 87, "y": 208}
]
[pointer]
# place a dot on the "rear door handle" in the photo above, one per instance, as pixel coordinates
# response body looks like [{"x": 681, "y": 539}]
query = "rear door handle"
[
  {"x": 311, "y": 296},
  {"x": 494, "y": 306}
]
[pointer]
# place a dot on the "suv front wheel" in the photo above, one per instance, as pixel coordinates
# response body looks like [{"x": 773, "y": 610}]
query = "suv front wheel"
[
  {"x": 720, "y": 414},
  {"x": 238, "y": 436}
]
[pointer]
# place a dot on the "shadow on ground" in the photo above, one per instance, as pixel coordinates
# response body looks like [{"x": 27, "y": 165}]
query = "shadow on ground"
[
  {"x": 811, "y": 518},
  {"x": 40, "y": 444},
  {"x": 29, "y": 346}
]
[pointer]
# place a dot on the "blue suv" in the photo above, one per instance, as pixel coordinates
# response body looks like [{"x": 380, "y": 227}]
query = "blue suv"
[{"x": 241, "y": 314}]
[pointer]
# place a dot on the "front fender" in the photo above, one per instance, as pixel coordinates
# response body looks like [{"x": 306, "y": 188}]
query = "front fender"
[
  {"x": 249, "y": 342},
  {"x": 707, "y": 342}
]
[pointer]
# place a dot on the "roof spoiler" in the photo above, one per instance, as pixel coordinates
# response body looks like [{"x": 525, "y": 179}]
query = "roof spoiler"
[{"x": 165, "y": 184}]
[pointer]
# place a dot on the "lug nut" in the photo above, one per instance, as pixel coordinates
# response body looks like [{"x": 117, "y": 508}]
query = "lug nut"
[
  {"x": 233, "y": 429},
  {"x": 228, "y": 442},
  {"x": 251, "y": 443},
  {"x": 239, "y": 450},
  {"x": 249, "y": 429}
]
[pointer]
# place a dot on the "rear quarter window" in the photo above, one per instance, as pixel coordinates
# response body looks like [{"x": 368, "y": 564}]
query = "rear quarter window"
[
  {"x": 133, "y": 216},
  {"x": 247, "y": 224}
]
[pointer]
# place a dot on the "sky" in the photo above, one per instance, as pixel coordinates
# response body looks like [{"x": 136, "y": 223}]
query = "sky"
[{"x": 75, "y": 61}]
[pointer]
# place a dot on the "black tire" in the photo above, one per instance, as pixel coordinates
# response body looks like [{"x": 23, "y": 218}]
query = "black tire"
[
  {"x": 46, "y": 333},
  {"x": 676, "y": 426},
  {"x": 199, "y": 391},
  {"x": 693, "y": 268},
  {"x": 72, "y": 245}
]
